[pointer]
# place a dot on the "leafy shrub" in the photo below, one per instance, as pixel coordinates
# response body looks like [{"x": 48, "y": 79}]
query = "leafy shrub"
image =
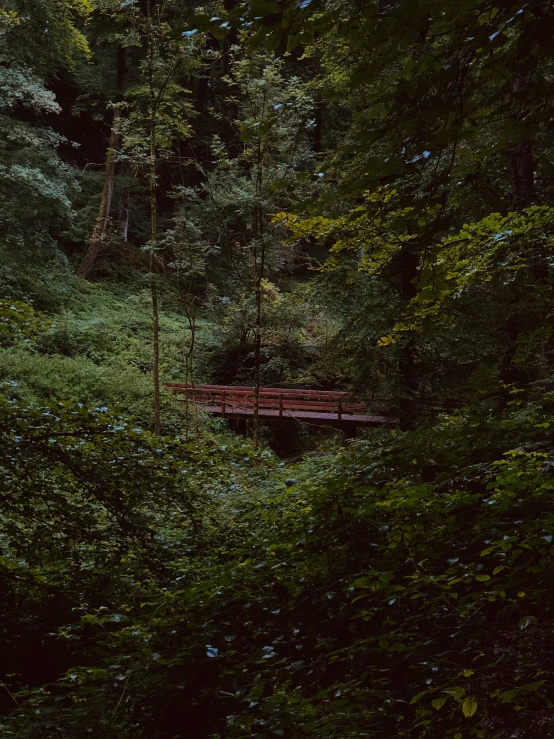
[
  {"x": 95, "y": 515},
  {"x": 38, "y": 276},
  {"x": 115, "y": 384},
  {"x": 18, "y": 322}
]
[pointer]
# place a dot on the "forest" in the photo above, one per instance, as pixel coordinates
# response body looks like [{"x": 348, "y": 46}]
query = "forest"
[{"x": 348, "y": 198}]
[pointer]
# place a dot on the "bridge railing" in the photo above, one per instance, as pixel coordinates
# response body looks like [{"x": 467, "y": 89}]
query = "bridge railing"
[{"x": 228, "y": 399}]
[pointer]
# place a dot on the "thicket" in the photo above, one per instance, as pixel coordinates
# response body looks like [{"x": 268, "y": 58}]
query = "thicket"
[{"x": 313, "y": 193}]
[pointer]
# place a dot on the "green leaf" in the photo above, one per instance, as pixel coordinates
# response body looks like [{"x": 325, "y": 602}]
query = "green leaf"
[
  {"x": 456, "y": 691},
  {"x": 417, "y": 697},
  {"x": 438, "y": 703},
  {"x": 482, "y": 578},
  {"x": 263, "y": 7},
  {"x": 265, "y": 127},
  {"x": 246, "y": 135},
  {"x": 469, "y": 706}
]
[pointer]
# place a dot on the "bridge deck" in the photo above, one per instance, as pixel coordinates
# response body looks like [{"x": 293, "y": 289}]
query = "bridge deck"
[{"x": 299, "y": 415}]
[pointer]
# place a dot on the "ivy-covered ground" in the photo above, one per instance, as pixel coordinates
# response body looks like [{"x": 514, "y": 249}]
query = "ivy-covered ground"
[{"x": 161, "y": 588}]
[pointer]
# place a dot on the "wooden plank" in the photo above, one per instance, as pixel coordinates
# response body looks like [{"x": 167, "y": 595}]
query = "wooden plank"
[
  {"x": 243, "y": 390},
  {"x": 272, "y": 390},
  {"x": 200, "y": 393},
  {"x": 285, "y": 404}
]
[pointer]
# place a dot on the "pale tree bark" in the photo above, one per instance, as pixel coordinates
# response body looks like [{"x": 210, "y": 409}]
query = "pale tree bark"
[
  {"x": 123, "y": 216},
  {"x": 95, "y": 244},
  {"x": 99, "y": 230}
]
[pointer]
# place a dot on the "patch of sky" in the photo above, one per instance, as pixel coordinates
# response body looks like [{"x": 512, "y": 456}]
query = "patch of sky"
[
  {"x": 502, "y": 235},
  {"x": 417, "y": 157}
]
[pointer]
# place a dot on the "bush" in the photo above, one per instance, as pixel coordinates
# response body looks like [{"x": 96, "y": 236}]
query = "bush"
[
  {"x": 19, "y": 323},
  {"x": 114, "y": 384}
]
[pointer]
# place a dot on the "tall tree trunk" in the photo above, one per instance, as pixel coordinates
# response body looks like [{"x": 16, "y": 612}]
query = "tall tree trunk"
[
  {"x": 123, "y": 215},
  {"x": 95, "y": 243},
  {"x": 259, "y": 269},
  {"x": 257, "y": 353},
  {"x": 406, "y": 360},
  {"x": 523, "y": 175},
  {"x": 153, "y": 236},
  {"x": 522, "y": 164},
  {"x": 318, "y": 128},
  {"x": 523, "y": 178}
]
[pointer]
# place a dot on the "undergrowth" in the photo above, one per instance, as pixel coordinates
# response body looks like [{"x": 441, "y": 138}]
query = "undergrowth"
[{"x": 403, "y": 587}]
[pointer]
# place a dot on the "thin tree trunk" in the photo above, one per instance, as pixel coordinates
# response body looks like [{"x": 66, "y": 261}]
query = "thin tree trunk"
[
  {"x": 153, "y": 236},
  {"x": 523, "y": 178},
  {"x": 318, "y": 129},
  {"x": 95, "y": 244},
  {"x": 124, "y": 216},
  {"x": 523, "y": 174},
  {"x": 406, "y": 357},
  {"x": 258, "y": 277},
  {"x": 522, "y": 160},
  {"x": 154, "y": 282},
  {"x": 257, "y": 352}
]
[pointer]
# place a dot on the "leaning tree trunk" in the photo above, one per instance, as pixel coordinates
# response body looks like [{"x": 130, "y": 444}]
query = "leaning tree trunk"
[{"x": 95, "y": 244}]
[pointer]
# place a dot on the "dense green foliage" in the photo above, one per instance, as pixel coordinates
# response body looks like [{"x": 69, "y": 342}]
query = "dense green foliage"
[{"x": 316, "y": 193}]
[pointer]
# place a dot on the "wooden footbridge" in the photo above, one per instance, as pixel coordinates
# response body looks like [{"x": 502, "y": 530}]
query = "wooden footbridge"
[{"x": 319, "y": 407}]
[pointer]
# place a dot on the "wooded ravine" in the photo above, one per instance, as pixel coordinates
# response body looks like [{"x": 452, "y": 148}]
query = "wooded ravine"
[{"x": 277, "y": 369}]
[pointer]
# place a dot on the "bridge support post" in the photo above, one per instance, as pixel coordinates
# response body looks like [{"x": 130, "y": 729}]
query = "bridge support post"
[
  {"x": 349, "y": 431},
  {"x": 238, "y": 426}
]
